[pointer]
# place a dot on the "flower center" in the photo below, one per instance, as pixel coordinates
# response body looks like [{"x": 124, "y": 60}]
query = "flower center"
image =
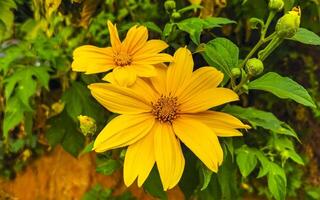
[
  {"x": 165, "y": 109},
  {"x": 122, "y": 59}
]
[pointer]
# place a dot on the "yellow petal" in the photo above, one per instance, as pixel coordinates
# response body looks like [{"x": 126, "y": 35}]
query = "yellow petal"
[
  {"x": 135, "y": 40},
  {"x": 124, "y": 76},
  {"x": 144, "y": 70},
  {"x": 200, "y": 139},
  {"x": 144, "y": 89},
  {"x": 179, "y": 71},
  {"x": 151, "y": 59},
  {"x": 170, "y": 161},
  {"x": 122, "y": 131},
  {"x": 91, "y": 59},
  {"x": 119, "y": 99},
  {"x": 222, "y": 124},
  {"x": 207, "y": 99},
  {"x": 139, "y": 160},
  {"x": 159, "y": 81},
  {"x": 114, "y": 37},
  {"x": 202, "y": 79},
  {"x": 110, "y": 78},
  {"x": 151, "y": 47}
]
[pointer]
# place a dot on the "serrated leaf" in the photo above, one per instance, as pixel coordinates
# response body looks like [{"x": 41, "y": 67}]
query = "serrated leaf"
[
  {"x": 246, "y": 160},
  {"x": 282, "y": 87},
  {"x": 13, "y": 115},
  {"x": 222, "y": 54},
  {"x": 260, "y": 118},
  {"x": 306, "y": 37},
  {"x": 277, "y": 182},
  {"x": 24, "y": 83},
  {"x": 265, "y": 164}
]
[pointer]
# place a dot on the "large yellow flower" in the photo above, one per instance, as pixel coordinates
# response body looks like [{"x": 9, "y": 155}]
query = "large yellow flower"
[
  {"x": 135, "y": 56},
  {"x": 158, "y": 113}
]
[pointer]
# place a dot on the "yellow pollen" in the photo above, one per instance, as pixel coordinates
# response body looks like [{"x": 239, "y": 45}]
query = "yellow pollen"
[
  {"x": 165, "y": 109},
  {"x": 122, "y": 59}
]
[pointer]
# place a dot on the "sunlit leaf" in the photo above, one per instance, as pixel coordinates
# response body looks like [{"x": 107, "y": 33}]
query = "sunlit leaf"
[{"x": 282, "y": 87}]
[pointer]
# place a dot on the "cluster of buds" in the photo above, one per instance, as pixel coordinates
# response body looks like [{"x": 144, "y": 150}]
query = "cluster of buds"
[{"x": 170, "y": 6}]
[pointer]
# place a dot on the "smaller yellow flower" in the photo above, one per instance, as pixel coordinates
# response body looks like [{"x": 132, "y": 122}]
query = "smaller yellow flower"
[{"x": 132, "y": 58}]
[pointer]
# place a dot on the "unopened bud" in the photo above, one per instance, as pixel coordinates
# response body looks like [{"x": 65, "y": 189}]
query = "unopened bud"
[
  {"x": 276, "y": 5},
  {"x": 288, "y": 25},
  {"x": 254, "y": 66},
  {"x": 236, "y": 72},
  {"x": 170, "y": 5},
  {"x": 176, "y": 15},
  {"x": 88, "y": 125}
]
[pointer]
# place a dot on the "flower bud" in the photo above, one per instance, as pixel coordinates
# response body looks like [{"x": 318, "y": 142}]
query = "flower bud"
[
  {"x": 236, "y": 72},
  {"x": 87, "y": 125},
  {"x": 276, "y": 5},
  {"x": 176, "y": 15},
  {"x": 170, "y": 5},
  {"x": 254, "y": 66},
  {"x": 288, "y": 25}
]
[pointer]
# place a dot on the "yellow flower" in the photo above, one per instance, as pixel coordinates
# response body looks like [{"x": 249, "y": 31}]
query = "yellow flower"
[
  {"x": 158, "y": 113},
  {"x": 135, "y": 56}
]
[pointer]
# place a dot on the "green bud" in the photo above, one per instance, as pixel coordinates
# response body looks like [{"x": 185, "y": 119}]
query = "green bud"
[
  {"x": 176, "y": 15},
  {"x": 288, "y": 25},
  {"x": 236, "y": 72},
  {"x": 170, "y": 5},
  {"x": 254, "y": 66},
  {"x": 88, "y": 125},
  {"x": 276, "y": 5}
]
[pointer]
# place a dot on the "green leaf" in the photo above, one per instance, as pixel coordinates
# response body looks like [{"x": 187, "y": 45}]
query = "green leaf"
[
  {"x": 87, "y": 149},
  {"x": 265, "y": 164},
  {"x": 228, "y": 180},
  {"x": 306, "y": 37},
  {"x": 107, "y": 167},
  {"x": 167, "y": 29},
  {"x": 206, "y": 175},
  {"x": 63, "y": 130},
  {"x": 153, "y": 185},
  {"x": 277, "y": 182},
  {"x": 78, "y": 101},
  {"x": 260, "y": 118},
  {"x": 152, "y": 26},
  {"x": 13, "y": 114},
  {"x": 246, "y": 160},
  {"x": 193, "y": 26},
  {"x": 24, "y": 83},
  {"x": 213, "y": 22},
  {"x": 7, "y": 15},
  {"x": 97, "y": 192},
  {"x": 282, "y": 87},
  {"x": 222, "y": 54}
]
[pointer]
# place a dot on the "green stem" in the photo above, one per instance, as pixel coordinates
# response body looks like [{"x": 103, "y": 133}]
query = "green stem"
[
  {"x": 275, "y": 42},
  {"x": 242, "y": 82}
]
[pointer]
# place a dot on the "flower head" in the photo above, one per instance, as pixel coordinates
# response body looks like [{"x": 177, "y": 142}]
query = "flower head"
[
  {"x": 132, "y": 58},
  {"x": 159, "y": 113}
]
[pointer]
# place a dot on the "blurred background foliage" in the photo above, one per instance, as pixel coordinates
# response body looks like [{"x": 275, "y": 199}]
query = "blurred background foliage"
[{"x": 41, "y": 98}]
